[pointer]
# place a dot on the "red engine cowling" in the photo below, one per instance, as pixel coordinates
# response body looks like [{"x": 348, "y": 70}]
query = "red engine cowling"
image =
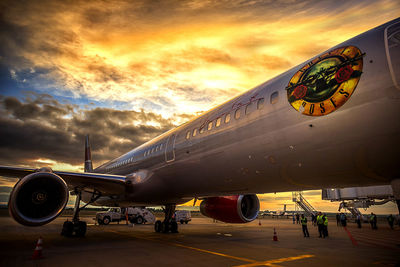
[{"x": 231, "y": 209}]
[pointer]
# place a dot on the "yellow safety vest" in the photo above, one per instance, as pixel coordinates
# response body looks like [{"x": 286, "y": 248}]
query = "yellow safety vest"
[
  {"x": 304, "y": 221},
  {"x": 320, "y": 220},
  {"x": 326, "y": 221}
]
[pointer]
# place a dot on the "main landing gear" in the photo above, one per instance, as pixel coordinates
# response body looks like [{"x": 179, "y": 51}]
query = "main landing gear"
[
  {"x": 169, "y": 224},
  {"x": 77, "y": 227}
]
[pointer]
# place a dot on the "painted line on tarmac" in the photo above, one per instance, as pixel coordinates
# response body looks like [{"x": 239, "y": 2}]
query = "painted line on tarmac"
[
  {"x": 188, "y": 247},
  {"x": 252, "y": 262},
  {"x": 273, "y": 262},
  {"x": 215, "y": 253},
  {"x": 350, "y": 236}
]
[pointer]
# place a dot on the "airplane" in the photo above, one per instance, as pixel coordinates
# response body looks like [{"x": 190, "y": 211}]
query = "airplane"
[{"x": 332, "y": 121}]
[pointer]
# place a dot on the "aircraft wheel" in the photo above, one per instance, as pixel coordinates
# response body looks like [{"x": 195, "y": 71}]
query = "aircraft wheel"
[
  {"x": 174, "y": 227},
  {"x": 164, "y": 227},
  {"x": 68, "y": 229},
  {"x": 186, "y": 222},
  {"x": 80, "y": 229},
  {"x": 182, "y": 221},
  {"x": 157, "y": 226}
]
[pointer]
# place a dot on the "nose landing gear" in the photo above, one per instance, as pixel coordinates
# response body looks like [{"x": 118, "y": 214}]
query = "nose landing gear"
[{"x": 169, "y": 224}]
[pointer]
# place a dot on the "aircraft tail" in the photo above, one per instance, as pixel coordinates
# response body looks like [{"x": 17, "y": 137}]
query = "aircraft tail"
[{"x": 88, "y": 156}]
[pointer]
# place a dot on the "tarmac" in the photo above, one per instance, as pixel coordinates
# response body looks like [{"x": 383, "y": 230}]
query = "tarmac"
[{"x": 202, "y": 242}]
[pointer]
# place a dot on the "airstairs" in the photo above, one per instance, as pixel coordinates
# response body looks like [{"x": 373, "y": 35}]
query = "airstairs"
[{"x": 301, "y": 202}]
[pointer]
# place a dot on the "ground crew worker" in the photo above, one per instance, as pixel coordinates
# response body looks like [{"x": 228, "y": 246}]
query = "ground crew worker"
[
  {"x": 304, "y": 225},
  {"x": 390, "y": 220},
  {"x": 320, "y": 224},
  {"x": 325, "y": 227},
  {"x": 337, "y": 219},
  {"x": 372, "y": 221},
  {"x": 343, "y": 219},
  {"x": 358, "y": 221}
]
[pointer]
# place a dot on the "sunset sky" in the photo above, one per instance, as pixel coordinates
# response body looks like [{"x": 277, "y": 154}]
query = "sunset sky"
[{"x": 127, "y": 71}]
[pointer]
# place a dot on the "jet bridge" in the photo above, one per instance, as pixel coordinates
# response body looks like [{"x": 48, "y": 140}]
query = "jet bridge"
[{"x": 354, "y": 198}]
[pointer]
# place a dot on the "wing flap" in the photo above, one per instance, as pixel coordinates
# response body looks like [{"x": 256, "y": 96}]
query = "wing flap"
[{"x": 107, "y": 184}]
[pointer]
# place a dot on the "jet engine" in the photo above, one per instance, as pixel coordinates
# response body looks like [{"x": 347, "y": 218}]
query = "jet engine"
[
  {"x": 38, "y": 198},
  {"x": 231, "y": 209}
]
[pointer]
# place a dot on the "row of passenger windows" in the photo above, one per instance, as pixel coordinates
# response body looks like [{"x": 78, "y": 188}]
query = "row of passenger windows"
[
  {"x": 248, "y": 109},
  {"x": 130, "y": 160},
  {"x": 153, "y": 149},
  {"x": 118, "y": 164}
]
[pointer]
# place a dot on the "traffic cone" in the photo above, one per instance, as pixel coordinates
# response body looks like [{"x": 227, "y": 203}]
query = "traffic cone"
[
  {"x": 37, "y": 253},
  {"x": 275, "y": 238}
]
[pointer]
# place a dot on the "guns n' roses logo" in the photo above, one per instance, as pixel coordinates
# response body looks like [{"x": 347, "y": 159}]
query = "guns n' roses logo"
[{"x": 325, "y": 84}]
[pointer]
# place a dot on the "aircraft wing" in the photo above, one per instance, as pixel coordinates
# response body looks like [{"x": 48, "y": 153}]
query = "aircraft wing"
[{"x": 107, "y": 184}]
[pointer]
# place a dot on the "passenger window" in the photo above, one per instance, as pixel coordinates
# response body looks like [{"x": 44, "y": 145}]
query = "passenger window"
[
  {"x": 260, "y": 103},
  {"x": 209, "y": 125},
  {"x": 202, "y": 129},
  {"x": 218, "y": 122},
  {"x": 237, "y": 113},
  {"x": 188, "y": 135},
  {"x": 249, "y": 108},
  {"x": 227, "y": 118},
  {"x": 194, "y": 132},
  {"x": 152, "y": 150},
  {"x": 274, "y": 98},
  {"x": 161, "y": 146}
]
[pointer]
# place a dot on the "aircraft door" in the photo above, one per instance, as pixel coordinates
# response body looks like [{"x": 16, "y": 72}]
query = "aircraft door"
[
  {"x": 392, "y": 44},
  {"x": 170, "y": 148}
]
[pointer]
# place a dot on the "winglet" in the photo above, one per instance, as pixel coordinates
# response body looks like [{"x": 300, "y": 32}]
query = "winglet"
[{"x": 88, "y": 156}]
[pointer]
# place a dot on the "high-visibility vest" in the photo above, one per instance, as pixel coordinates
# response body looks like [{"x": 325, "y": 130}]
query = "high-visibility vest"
[
  {"x": 320, "y": 220},
  {"x": 304, "y": 221},
  {"x": 326, "y": 221}
]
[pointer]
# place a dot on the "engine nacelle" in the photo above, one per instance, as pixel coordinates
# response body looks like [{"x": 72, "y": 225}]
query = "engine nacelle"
[
  {"x": 38, "y": 198},
  {"x": 231, "y": 209}
]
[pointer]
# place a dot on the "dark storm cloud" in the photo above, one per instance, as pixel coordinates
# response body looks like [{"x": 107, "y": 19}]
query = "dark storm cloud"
[{"x": 42, "y": 128}]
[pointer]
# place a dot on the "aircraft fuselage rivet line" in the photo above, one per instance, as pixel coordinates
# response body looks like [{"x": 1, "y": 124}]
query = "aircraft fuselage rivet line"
[
  {"x": 273, "y": 262},
  {"x": 252, "y": 262}
]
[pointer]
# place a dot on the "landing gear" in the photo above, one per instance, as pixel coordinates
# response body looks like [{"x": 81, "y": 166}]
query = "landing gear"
[
  {"x": 169, "y": 224},
  {"x": 77, "y": 227}
]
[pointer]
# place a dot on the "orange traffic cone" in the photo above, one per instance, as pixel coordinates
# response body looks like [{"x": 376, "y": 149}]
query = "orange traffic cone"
[
  {"x": 37, "y": 253},
  {"x": 275, "y": 238}
]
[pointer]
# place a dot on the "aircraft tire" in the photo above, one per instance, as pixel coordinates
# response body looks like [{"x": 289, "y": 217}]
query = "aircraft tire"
[
  {"x": 165, "y": 227},
  {"x": 80, "y": 229},
  {"x": 68, "y": 229},
  {"x": 157, "y": 226},
  {"x": 174, "y": 227},
  {"x": 182, "y": 221}
]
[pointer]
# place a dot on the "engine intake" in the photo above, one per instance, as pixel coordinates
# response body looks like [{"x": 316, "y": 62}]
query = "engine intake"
[
  {"x": 38, "y": 198},
  {"x": 231, "y": 209}
]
